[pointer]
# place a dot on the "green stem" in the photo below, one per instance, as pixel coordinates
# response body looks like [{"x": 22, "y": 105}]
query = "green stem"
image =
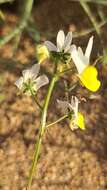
[
  {"x": 83, "y": 32},
  {"x": 57, "y": 121},
  {"x": 73, "y": 86},
  {"x": 41, "y": 131},
  {"x": 88, "y": 31},
  {"x": 90, "y": 15},
  {"x": 6, "y": 1},
  {"x": 103, "y": 2},
  {"x": 65, "y": 71},
  {"x": 22, "y": 24},
  {"x": 35, "y": 99},
  {"x": 93, "y": 21},
  {"x": 35, "y": 160}
]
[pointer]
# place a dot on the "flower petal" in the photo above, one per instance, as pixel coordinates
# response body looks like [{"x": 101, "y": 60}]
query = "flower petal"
[
  {"x": 41, "y": 81},
  {"x": 19, "y": 83},
  {"x": 68, "y": 41},
  {"x": 72, "y": 124},
  {"x": 60, "y": 40},
  {"x": 50, "y": 46},
  {"x": 83, "y": 57},
  {"x": 80, "y": 121},
  {"x": 63, "y": 105},
  {"x": 89, "y": 79},
  {"x": 80, "y": 52},
  {"x": 74, "y": 105},
  {"x": 34, "y": 70},
  {"x": 89, "y": 48},
  {"x": 79, "y": 63},
  {"x": 26, "y": 74},
  {"x": 31, "y": 73},
  {"x": 72, "y": 48}
]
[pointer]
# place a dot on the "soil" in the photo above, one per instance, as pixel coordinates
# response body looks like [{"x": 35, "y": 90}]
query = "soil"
[{"x": 70, "y": 160}]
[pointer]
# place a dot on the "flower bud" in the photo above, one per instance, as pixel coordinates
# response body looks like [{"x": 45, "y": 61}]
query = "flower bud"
[{"x": 42, "y": 53}]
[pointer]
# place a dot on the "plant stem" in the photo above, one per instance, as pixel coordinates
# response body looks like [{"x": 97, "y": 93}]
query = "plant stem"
[
  {"x": 42, "y": 130},
  {"x": 102, "y": 2},
  {"x": 93, "y": 21},
  {"x": 22, "y": 24},
  {"x": 34, "y": 162},
  {"x": 65, "y": 71},
  {"x": 57, "y": 121},
  {"x": 35, "y": 99},
  {"x": 73, "y": 86},
  {"x": 88, "y": 31},
  {"x": 90, "y": 15},
  {"x": 6, "y": 1}
]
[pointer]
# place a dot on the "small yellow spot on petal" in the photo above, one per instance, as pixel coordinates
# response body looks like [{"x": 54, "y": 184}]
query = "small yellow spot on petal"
[
  {"x": 42, "y": 53},
  {"x": 89, "y": 78}
]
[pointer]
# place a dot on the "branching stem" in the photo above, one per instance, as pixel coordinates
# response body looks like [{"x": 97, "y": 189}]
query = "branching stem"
[
  {"x": 57, "y": 121},
  {"x": 42, "y": 130}
]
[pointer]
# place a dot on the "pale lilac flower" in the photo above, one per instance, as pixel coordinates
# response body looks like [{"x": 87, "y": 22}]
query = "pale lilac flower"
[
  {"x": 29, "y": 80},
  {"x": 63, "y": 43}
]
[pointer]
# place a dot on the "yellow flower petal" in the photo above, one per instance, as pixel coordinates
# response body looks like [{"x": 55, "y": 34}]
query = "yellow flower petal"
[
  {"x": 80, "y": 121},
  {"x": 89, "y": 78},
  {"x": 42, "y": 53}
]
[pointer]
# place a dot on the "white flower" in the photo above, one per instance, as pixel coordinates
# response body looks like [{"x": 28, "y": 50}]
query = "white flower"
[
  {"x": 80, "y": 59},
  {"x": 87, "y": 73},
  {"x": 63, "y": 43},
  {"x": 77, "y": 119},
  {"x": 29, "y": 80}
]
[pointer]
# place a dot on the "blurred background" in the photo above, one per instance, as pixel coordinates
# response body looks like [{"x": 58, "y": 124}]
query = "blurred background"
[{"x": 70, "y": 160}]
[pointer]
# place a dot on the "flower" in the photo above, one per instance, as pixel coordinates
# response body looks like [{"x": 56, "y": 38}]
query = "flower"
[
  {"x": 29, "y": 82},
  {"x": 42, "y": 53},
  {"x": 63, "y": 43},
  {"x": 76, "y": 117},
  {"x": 61, "y": 51},
  {"x": 87, "y": 73}
]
